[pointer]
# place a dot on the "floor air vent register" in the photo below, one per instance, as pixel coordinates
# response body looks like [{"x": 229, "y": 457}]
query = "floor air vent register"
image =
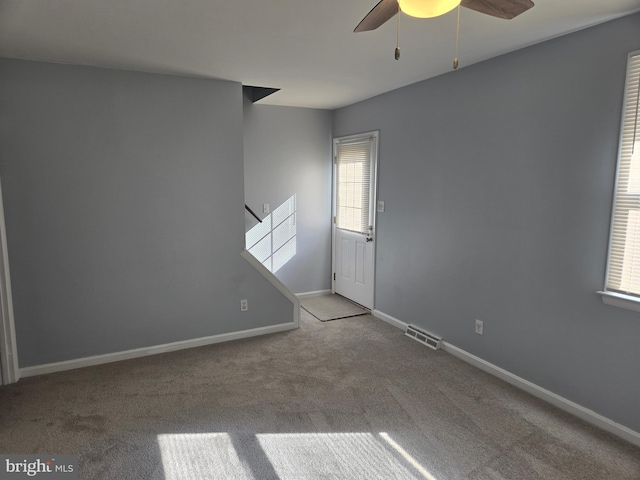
[{"x": 421, "y": 336}]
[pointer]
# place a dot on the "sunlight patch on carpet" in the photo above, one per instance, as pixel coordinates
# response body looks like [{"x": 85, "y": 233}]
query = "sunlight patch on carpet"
[
  {"x": 200, "y": 455},
  {"x": 412, "y": 461},
  {"x": 287, "y": 456},
  {"x": 336, "y": 455}
]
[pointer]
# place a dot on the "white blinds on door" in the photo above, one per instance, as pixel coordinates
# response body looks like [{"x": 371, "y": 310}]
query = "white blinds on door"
[
  {"x": 353, "y": 174},
  {"x": 624, "y": 255}
]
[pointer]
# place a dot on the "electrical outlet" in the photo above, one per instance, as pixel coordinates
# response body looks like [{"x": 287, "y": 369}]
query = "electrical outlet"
[
  {"x": 479, "y": 327},
  {"x": 380, "y": 206},
  {"x": 244, "y": 305}
]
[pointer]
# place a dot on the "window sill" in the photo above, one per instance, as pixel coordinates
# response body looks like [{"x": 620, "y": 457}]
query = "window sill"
[{"x": 620, "y": 300}]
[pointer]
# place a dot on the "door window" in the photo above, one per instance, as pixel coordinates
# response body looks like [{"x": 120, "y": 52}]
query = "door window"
[{"x": 353, "y": 183}]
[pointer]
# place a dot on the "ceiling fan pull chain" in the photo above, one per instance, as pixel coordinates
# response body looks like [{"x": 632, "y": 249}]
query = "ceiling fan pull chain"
[
  {"x": 455, "y": 60},
  {"x": 398, "y": 36}
]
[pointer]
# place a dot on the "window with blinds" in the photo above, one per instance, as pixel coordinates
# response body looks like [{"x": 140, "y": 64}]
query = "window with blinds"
[
  {"x": 353, "y": 183},
  {"x": 623, "y": 272}
]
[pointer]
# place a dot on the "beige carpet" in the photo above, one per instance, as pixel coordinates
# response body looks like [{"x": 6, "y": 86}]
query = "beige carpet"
[
  {"x": 332, "y": 307},
  {"x": 354, "y": 399}
]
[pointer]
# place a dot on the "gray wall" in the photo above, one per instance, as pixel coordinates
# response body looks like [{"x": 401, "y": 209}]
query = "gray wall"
[
  {"x": 498, "y": 181},
  {"x": 123, "y": 195},
  {"x": 287, "y": 152}
]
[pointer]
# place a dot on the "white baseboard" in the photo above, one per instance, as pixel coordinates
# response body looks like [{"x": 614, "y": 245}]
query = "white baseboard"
[
  {"x": 317, "y": 293},
  {"x": 546, "y": 395},
  {"x": 567, "y": 405},
  {"x": 390, "y": 320},
  {"x": 146, "y": 351}
]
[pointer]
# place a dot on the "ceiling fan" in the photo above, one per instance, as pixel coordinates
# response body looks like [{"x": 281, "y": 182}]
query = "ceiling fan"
[{"x": 385, "y": 10}]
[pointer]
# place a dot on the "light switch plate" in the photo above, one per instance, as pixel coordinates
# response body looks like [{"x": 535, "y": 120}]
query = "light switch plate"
[
  {"x": 380, "y": 206},
  {"x": 265, "y": 208}
]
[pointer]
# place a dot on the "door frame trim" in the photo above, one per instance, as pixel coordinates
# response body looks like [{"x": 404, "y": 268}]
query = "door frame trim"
[
  {"x": 375, "y": 134},
  {"x": 8, "y": 344}
]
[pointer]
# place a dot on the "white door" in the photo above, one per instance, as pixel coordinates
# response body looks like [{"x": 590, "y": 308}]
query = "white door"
[{"x": 355, "y": 160}]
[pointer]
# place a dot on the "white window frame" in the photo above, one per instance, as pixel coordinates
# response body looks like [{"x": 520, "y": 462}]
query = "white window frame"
[
  {"x": 370, "y": 138},
  {"x": 611, "y": 297}
]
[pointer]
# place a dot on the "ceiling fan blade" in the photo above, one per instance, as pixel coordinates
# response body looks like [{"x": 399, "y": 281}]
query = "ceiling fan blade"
[
  {"x": 506, "y": 9},
  {"x": 382, "y": 12}
]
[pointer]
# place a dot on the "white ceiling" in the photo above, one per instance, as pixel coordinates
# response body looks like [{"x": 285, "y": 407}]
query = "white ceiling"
[{"x": 307, "y": 48}]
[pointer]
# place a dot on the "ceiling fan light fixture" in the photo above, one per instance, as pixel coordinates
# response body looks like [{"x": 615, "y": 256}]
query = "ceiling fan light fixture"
[{"x": 427, "y": 8}]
